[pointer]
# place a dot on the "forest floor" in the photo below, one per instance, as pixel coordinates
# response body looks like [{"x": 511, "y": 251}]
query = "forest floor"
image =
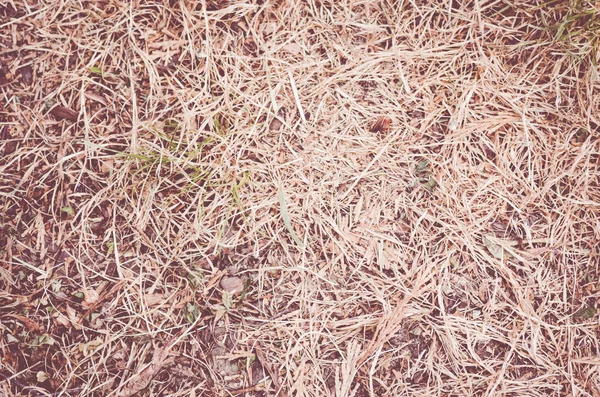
[{"x": 310, "y": 198}]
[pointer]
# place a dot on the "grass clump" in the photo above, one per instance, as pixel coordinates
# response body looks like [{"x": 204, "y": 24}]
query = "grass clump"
[{"x": 319, "y": 199}]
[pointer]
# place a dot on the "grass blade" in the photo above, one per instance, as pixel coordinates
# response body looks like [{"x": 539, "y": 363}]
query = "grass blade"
[{"x": 286, "y": 217}]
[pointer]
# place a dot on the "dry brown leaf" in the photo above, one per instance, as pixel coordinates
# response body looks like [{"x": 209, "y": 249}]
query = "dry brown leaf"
[
  {"x": 61, "y": 319},
  {"x": 42, "y": 376},
  {"x": 293, "y": 48},
  {"x": 273, "y": 373},
  {"x": 381, "y": 125},
  {"x": 142, "y": 379},
  {"x": 107, "y": 166},
  {"x": 88, "y": 348},
  {"x": 154, "y": 299},
  {"x": 233, "y": 285},
  {"x": 30, "y": 324},
  {"x": 64, "y": 113},
  {"x": 26, "y": 74},
  {"x": 74, "y": 318},
  {"x": 90, "y": 297},
  {"x": 495, "y": 249},
  {"x": 275, "y": 125},
  {"x": 214, "y": 280},
  {"x": 96, "y": 98}
]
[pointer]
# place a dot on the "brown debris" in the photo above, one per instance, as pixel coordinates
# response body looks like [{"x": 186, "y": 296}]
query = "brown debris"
[
  {"x": 146, "y": 373},
  {"x": 381, "y": 125},
  {"x": 367, "y": 198},
  {"x": 64, "y": 113}
]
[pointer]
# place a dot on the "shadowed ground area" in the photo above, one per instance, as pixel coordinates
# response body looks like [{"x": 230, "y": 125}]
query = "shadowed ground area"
[{"x": 299, "y": 198}]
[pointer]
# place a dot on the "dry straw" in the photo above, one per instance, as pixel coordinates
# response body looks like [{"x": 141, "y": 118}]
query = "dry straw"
[{"x": 404, "y": 193}]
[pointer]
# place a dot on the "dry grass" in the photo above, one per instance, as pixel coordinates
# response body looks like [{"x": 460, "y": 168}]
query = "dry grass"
[{"x": 407, "y": 193}]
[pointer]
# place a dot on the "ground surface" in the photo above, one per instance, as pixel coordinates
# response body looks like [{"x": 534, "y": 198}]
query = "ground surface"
[{"x": 331, "y": 198}]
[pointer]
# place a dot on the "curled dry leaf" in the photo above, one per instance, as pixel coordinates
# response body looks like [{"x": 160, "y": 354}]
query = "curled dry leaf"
[
  {"x": 273, "y": 372},
  {"x": 381, "y": 125},
  {"x": 275, "y": 125},
  {"x": 107, "y": 166},
  {"x": 30, "y": 324},
  {"x": 88, "y": 348},
  {"x": 26, "y": 74},
  {"x": 154, "y": 299},
  {"x": 293, "y": 48},
  {"x": 142, "y": 379},
  {"x": 74, "y": 318},
  {"x": 269, "y": 28},
  {"x": 64, "y": 113},
  {"x": 91, "y": 296},
  {"x": 42, "y": 376},
  {"x": 95, "y": 97},
  {"x": 60, "y": 318},
  {"x": 494, "y": 248},
  {"x": 233, "y": 285}
]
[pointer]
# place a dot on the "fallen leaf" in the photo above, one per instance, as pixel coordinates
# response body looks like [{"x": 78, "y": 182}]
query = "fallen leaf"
[
  {"x": 96, "y": 98},
  {"x": 273, "y": 372},
  {"x": 64, "y": 113},
  {"x": 96, "y": 70},
  {"x": 213, "y": 281},
  {"x": 90, "y": 347},
  {"x": 68, "y": 210},
  {"x": 154, "y": 299},
  {"x": 233, "y": 285},
  {"x": 422, "y": 166},
  {"x": 31, "y": 325},
  {"x": 142, "y": 379},
  {"x": 11, "y": 339},
  {"x": 227, "y": 300},
  {"x": 275, "y": 125},
  {"x": 107, "y": 166},
  {"x": 60, "y": 318},
  {"x": 41, "y": 376},
  {"x": 192, "y": 312},
  {"x": 381, "y": 125},
  {"x": 9, "y": 358},
  {"x": 219, "y": 310},
  {"x": 74, "y": 318},
  {"x": 90, "y": 297},
  {"x": 43, "y": 339},
  {"x": 495, "y": 249},
  {"x": 430, "y": 184},
  {"x": 293, "y": 48},
  {"x": 26, "y": 74},
  {"x": 585, "y": 312}
]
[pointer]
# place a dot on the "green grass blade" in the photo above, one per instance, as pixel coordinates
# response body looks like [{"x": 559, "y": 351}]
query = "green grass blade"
[{"x": 286, "y": 217}]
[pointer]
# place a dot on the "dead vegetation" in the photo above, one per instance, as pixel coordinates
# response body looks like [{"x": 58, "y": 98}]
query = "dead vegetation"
[{"x": 321, "y": 198}]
